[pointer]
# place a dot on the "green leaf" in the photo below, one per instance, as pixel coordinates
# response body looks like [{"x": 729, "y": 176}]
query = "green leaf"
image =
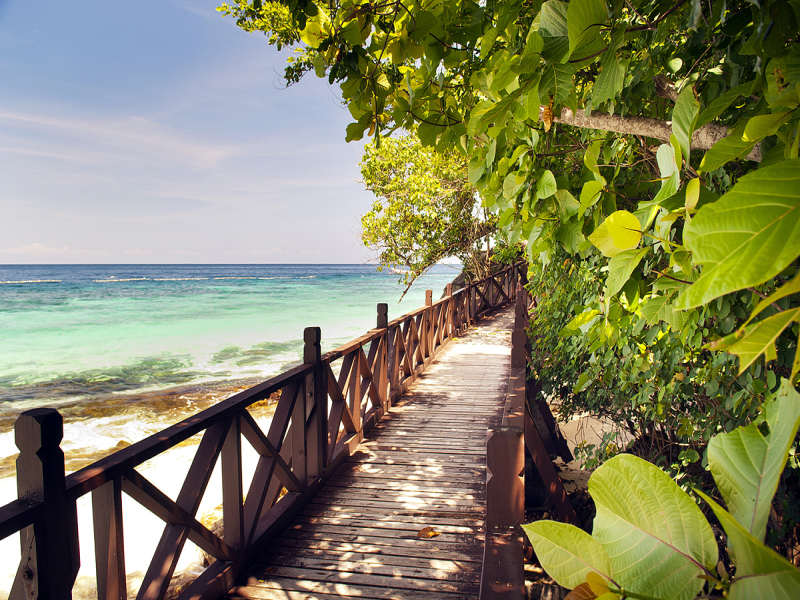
[
  {"x": 684, "y": 118},
  {"x": 761, "y": 573},
  {"x": 610, "y": 80},
  {"x": 656, "y": 536},
  {"x": 317, "y": 29},
  {"x": 723, "y": 151},
  {"x": 556, "y": 81},
  {"x": 583, "y": 382},
  {"x": 692, "y": 193},
  {"x": 546, "y": 185},
  {"x": 567, "y": 553},
  {"x": 590, "y": 160},
  {"x": 788, "y": 289},
  {"x": 620, "y": 269},
  {"x": 553, "y": 30},
  {"x": 625, "y": 229},
  {"x": 656, "y": 309},
  {"x": 570, "y": 236},
  {"x": 720, "y": 104},
  {"x": 590, "y": 194},
  {"x": 670, "y": 176},
  {"x": 566, "y": 205},
  {"x": 424, "y": 22},
  {"x": 748, "y": 236},
  {"x": 579, "y": 323},
  {"x": 584, "y": 18},
  {"x": 532, "y": 103},
  {"x": 601, "y": 238},
  {"x": 497, "y": 115},
  {"x": 754, "y": 340},
  {"x": 747, "y": 465},
  {"x": 763, "y": 125}
]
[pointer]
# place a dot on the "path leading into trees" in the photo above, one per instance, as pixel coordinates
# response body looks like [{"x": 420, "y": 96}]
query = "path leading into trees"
[{"x": 421, "y": 472}]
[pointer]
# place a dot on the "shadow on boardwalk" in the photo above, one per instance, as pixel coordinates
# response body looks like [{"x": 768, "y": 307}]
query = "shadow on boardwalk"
[{"x": 421, "y": 472}]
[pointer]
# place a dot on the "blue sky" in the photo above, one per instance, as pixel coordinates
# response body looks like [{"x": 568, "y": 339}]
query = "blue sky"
[{"x": 159, "y": 132}]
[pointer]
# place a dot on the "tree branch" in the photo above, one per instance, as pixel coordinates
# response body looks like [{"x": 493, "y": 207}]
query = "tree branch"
[{"x": 702, "y": 139}]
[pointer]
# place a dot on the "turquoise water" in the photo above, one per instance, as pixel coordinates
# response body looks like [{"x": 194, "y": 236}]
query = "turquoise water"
[{"x": 154, "y": 343}]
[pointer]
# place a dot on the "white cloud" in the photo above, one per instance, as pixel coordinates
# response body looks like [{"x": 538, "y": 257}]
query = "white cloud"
[
  {"x": 38, "y": 250},
  {"x": 101, "y": 141}
]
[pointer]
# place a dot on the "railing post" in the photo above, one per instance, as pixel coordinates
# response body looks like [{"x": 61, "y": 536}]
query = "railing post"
[
  {"x": 383, "y": 316},
  {"x": 317, "y": 399},
  {"x": 232, "y": 487},
  {"x": 382, "y": 360},
  {"x": 503, "y": 571},
  {"x": 49, "y": 548},
  {"x": 109, "y": 549},
  {"x": 473, "y": 305},
  {"x": 428, "y": 297}
]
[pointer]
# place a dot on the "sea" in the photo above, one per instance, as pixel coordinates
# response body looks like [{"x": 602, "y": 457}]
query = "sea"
[{"x": 124, "y": 351}]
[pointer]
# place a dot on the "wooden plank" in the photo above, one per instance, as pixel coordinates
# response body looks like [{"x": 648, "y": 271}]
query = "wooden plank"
[
  {"x": 380, "y": 581},
  {"x": 444, "y": 565},
  {"x": 283, "y": 589},
  {"x": 372, "y": 567}
]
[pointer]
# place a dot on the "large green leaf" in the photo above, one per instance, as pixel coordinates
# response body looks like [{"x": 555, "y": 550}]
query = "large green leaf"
[
  {"x": 610, "y": 80},
  {"x": 754, "y": 340},
  {"x": 625, "y": 229},
  {"x": 761, "y": 573},
  {"x": 621, "y": 267},
  {"x": 748, "y": 236},
  {"x": 570, "y": 236},
  {"x": 601, "y": 238},
  {"x": 656, "y": 536},
  {"x": 567, "y": 553},
  {"x": 684, "y": 117},
  {"x": 720, "y": 104},
  {"x": 546, "y": 185},
  {"x": 554, "y": 31},
  {"x": 747, "y": 464},
  {"x": 590, "y": 194},
  {"x": 566, "y": 205},
  {"x": 723, "y": 151},
  {"x": 557, "y": 81},
  {"x": 763, "y": 125},
  {"x": 584, "y": 18}
]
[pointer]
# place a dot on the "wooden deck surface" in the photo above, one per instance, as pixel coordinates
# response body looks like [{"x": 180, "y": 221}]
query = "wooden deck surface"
[{"x": 422, "y": 466}]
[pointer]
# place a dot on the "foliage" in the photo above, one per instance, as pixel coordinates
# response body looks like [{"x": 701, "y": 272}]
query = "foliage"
[
  {"x": 493, "y": 81},
  {"x": 650, "y": 540},
  {"x": 645, "y": 151},
  {"x": 426, "y": 209}
]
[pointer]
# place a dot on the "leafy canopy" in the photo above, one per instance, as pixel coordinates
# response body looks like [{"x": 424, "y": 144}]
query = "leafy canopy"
[
  {"x": 581, "y": 119},
  {"x": 425, "y": 211}
]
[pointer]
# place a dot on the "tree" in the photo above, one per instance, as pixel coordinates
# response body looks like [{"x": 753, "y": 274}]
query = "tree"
[
  {"x": 646, "y": 152},
  {"x": 426, "y": 209}
]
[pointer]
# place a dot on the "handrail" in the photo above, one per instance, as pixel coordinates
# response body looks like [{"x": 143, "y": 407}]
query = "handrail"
[
  {"x": 318, "y": 422},
  {"x": 502, "y": 572}
]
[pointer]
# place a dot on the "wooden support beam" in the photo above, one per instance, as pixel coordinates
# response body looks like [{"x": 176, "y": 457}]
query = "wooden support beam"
[
  {"x": 49, "y": 548},
  {"x": 503, "y": 574},
  {"x": 109, "y": 550},
  {"x": 555, "y": 488}
]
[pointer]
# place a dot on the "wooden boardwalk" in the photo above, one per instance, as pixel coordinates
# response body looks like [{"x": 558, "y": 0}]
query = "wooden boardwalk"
[{"x": 421, "y": 468}]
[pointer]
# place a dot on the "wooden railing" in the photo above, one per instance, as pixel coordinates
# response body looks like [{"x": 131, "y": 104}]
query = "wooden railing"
[
  {"x": 319, "y": 420},
  {"x": 527, "y": 425}
]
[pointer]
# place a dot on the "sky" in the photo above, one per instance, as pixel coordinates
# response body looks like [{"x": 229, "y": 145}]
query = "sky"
[{"x": 159, "y": 132}]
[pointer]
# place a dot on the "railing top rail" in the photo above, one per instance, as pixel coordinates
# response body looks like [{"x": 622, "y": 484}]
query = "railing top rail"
[
  {"x": 17, "y": 515},
  {"x": 93, "y": 476}
]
